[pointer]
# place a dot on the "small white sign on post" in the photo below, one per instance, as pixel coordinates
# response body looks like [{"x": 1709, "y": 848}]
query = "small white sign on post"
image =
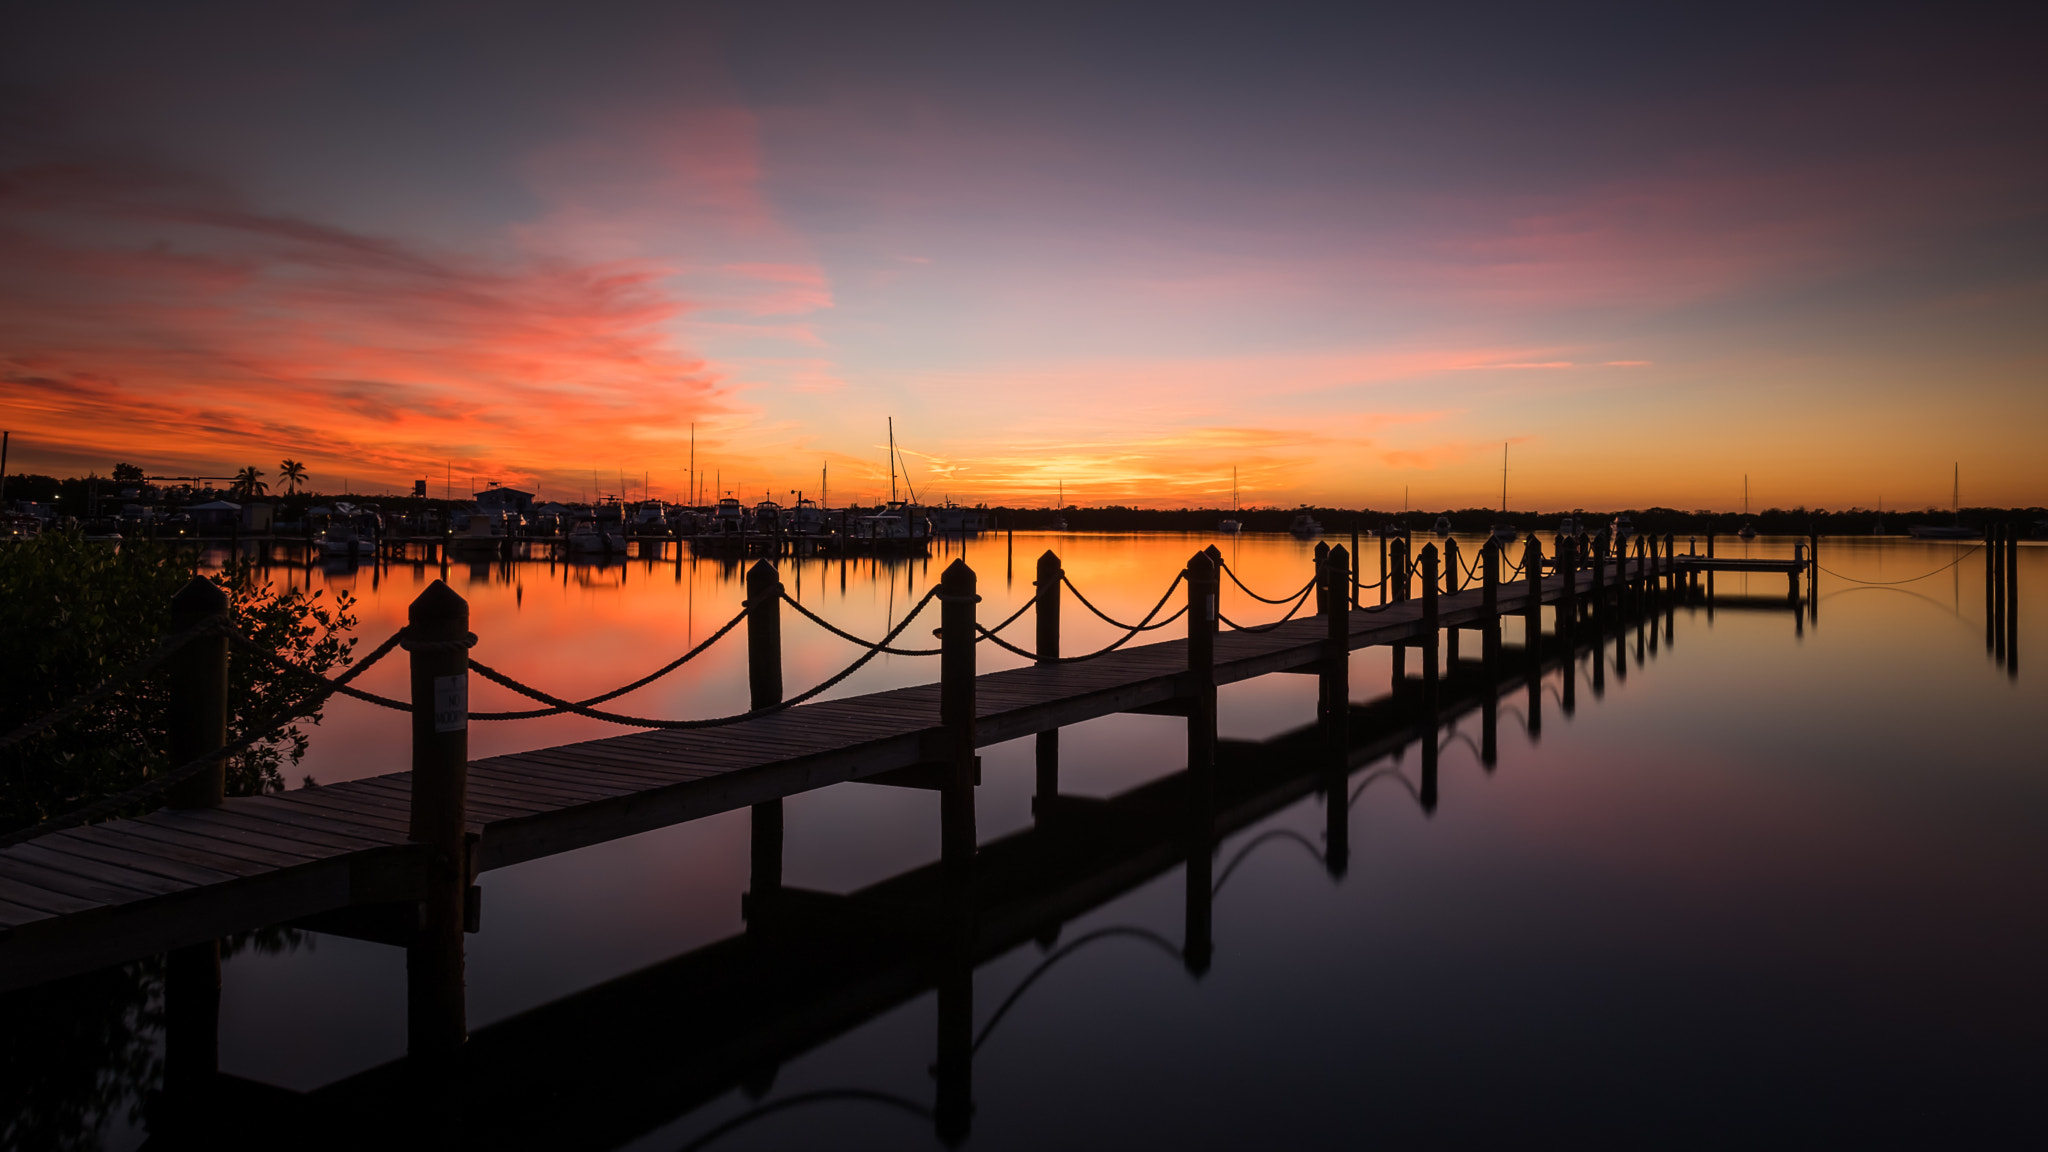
[{"x": 451, "y": 703}]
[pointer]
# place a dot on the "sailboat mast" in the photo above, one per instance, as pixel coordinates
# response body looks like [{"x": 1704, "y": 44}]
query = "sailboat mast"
[
  {"x": 892, "y": 459},
  {"x": 1503, "y": 478},
  {"x": 693, "y": 462}
]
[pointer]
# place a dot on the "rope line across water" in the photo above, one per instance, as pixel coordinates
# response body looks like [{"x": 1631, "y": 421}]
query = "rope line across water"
[{"x": 1922, "y": 576}]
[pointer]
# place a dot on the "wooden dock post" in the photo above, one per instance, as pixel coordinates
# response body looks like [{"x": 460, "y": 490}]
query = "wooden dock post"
[
  {"x": 1197, "y": 947},
  {"x": 1354, "y": 565},
  {"x": 199, "y": 694},
  {"x": 957, "y": 598},
  {"x": 437, "y": 637},
  {"x": 1489, "y": 602},
  {"x": 1047, "y": 611},
  {"x": 1453, "y": 566},
  {"x": 1568, "y": 598},
  {"x": 764, "y": 690},
  {"x": 1322, "y": 556},
  {"x": 1384, "y": 581},
  {"x": 1430, "y": 628},
  {"x": 1532, "y": 612},
  {"x": 1400, "y": 574},
  {"x": 1335, "y": 680}
]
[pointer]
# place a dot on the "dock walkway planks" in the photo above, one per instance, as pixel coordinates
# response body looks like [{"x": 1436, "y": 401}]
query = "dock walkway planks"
[{"x": 111, "y": 892}]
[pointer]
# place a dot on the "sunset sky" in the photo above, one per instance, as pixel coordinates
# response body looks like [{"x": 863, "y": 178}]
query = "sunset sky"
[{"x": 1347, "y": 249}]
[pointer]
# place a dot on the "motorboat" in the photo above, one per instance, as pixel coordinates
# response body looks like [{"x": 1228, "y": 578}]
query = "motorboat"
[
  {"x": 1623, "y": 527},
  {"x": 1746, "y": 532},
  {"x": 950, "y": 519},
  {"x": 651, "y": 519},
  {"x": 587, "y": 535},
  {"x": 897, "y": 524},
  {"x": 1442, "y": 527},
  {"x": 1506, "y": 533},
  {"x": 1304, "y": 524},
  {"x": 483, "y": 531},
  {"x": 729, "y": 518},
  {"x": 768, "y": 518},
  {"x": 808, "y": 519}
]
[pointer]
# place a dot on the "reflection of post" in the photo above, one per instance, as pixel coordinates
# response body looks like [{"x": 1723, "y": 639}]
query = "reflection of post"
[
  {"x": 437, "y": 636},
  {"x": 954, "y": 1116},
  {"x": 1197, "y": 947},
  {"x": 764, "y": 682},
  {"x": 1048, "y": 614},
  {"x": 1429, "y": 628},
  {"x": 191, "y": 1033}
]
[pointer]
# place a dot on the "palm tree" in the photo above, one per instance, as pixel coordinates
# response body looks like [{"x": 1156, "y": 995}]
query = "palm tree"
[
  {"x": 293, "y": 474},
  {"x": 248, "y": 483}
]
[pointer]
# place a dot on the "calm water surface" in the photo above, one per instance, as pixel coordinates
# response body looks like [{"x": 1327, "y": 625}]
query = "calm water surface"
[{"x": 1782, "y": 881}]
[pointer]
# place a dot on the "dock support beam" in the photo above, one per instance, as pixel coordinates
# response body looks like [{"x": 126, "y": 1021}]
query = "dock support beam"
[
  {"x": 438, "y": 639},
  {"x": 764, "y": 690}
]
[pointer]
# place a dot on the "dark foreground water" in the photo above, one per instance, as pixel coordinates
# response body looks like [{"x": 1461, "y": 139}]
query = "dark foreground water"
[{"x": 1780, "y": 879}]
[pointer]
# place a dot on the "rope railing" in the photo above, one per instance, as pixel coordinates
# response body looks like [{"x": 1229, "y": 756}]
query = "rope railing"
[
  {"x": 169, "y": 647},
  {"x": 1267, "y": 600},
  {"x": 1253, "y": 630},
  {"x": 161, "y": 783},
  {"x": 1131, "y": 631},
  {"x": 561, "y": 705},
  {"x": 1111, "y": 620},
  {"x": 849, "y": 637}
]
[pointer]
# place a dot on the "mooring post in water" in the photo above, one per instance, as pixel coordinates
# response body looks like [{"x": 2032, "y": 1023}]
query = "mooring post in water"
[
  {"x": 956, "y": 715},
  {"x": 1047, "y": 610},
  {"x": 1489, "y": 651},
  {"x": 764, "y": 684},
  {"x": 438, "y": 639},
  {"x": 1532, "y": 611},
  {"x": 199, "y": 693},
  {"x": 2012, "y": 605},
  {"x": 1429, "y": 628},
  {"x": 1199, "y": 819}
]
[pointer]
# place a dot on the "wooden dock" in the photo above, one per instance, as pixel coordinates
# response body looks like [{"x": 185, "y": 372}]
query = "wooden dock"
[{"x": 92, "y": 896}]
